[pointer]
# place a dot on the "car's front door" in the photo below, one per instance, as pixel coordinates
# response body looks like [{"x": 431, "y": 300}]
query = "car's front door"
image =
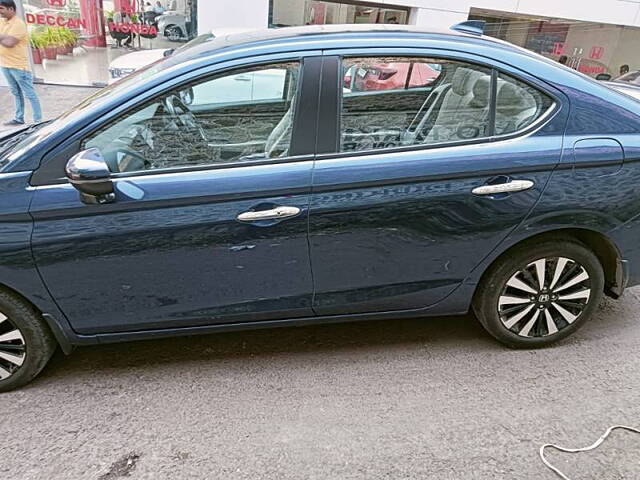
[
  {"x": 174, "y": 249},
  {"x": 397, "y": 220}
]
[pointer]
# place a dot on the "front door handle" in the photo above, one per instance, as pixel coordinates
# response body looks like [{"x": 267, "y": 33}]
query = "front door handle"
[
  {"x": 507, "y": 187},
  {"x": 273, "y": 214}
]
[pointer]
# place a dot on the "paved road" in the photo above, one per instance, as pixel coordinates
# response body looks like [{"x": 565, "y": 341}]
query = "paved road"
[
  {"x": 417, "y": 398},
  {"x": 423, "y": 399}
]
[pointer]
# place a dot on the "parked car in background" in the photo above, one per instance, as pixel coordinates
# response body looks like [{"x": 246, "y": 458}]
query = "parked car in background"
[
  {"x": 127, "y": 64},
  {"x": 628, "y": 88},
  {"x": 389, "y": 76},
  {"x": 173, "y": 25},
  {"x": 632, "y": 78},
  {"x": 185, "y": 199}
]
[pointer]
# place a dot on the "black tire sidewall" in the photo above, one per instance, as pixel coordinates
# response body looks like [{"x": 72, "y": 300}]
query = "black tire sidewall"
[
  {"x": 486, "y": 299},
  {"x": 39, "y": 341}
]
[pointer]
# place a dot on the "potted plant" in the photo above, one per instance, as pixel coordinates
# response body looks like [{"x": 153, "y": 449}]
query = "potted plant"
[
  {"x": 37, "y": 45},
  {"x": 60, "y": 42},
  {"x": 50, "y": 44},
  {"x": 67, "y": 40}
]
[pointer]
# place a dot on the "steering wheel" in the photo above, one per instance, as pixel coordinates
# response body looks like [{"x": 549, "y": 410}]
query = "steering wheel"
[
  {"x": 134, "y": 162},
  {"x": 176, "y": 108}
]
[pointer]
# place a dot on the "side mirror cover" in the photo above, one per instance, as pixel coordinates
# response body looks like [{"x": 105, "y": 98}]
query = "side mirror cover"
[{"x": 88, "y": 172}]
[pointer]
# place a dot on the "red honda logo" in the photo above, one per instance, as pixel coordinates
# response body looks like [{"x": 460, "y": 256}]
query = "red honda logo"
[
  {"x": 57, "y": 3},
  {"x": 596, "y": 53},
  {"x": 558, "y": 48}
]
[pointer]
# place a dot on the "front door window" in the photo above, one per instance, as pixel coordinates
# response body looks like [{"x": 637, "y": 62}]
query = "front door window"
[{"x": 240, "y": 116}]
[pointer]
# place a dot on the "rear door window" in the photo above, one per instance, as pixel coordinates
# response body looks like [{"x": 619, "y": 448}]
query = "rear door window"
[{"x": 404, "y": 101}]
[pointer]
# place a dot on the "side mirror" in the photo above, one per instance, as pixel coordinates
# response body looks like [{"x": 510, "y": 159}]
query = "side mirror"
[
  {"x": 90, "y": 175},
  {"x": 168, "y": 53}
]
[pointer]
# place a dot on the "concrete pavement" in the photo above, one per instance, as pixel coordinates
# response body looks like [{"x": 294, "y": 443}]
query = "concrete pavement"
[
  {"x": 55, "y": 100},
  {"x": 431, "y": 398}
]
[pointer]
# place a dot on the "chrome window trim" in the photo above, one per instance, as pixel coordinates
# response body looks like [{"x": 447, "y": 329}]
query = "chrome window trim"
[{"x": 187, "y": 169}]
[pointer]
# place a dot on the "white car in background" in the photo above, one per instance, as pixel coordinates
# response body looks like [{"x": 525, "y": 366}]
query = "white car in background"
[
  {"x": 129, "y": 63},
  {"x": 631, "y": 89}
]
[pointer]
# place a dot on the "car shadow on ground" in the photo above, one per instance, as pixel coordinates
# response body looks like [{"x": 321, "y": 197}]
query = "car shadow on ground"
[
  {"x": 460, "y": 334},
  {"x": 442, "y": 332}
]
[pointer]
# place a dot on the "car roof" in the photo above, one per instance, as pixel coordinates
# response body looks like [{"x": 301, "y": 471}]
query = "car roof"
[{"x": 319, "y": 34}]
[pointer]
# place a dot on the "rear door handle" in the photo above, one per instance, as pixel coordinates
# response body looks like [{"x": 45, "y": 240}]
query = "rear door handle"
[
  {"x": 508, "y": 187},
  {"x": 273, "y": 214}
]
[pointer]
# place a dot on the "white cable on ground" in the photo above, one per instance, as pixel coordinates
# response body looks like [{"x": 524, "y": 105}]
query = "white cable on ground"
[{"x": 577, "y": 450}]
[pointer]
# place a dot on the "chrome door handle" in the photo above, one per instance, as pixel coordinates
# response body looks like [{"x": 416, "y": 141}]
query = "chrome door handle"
[
  {"x": 508, "y": 187},
  {"x": 273, "y": 214}
]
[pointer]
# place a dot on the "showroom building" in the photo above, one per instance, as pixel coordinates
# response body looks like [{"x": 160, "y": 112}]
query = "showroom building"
[{"x": 78, "y": 41}]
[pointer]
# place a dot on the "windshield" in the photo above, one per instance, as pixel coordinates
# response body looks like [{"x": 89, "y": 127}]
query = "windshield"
[{"x": 14, "y": 141}]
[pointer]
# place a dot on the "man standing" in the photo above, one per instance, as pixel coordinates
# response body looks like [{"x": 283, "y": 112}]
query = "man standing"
[{"x": 14, "y": 62}]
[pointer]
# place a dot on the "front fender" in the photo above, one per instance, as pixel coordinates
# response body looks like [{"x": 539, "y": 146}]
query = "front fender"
[{"x": 18, "y": 271}]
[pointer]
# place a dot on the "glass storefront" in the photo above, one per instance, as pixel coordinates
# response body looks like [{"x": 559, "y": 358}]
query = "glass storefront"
[
  {"x": 602, "y": 51},
  {"x": 93, "y": 42},
  {"x": 286, "y": 13}
]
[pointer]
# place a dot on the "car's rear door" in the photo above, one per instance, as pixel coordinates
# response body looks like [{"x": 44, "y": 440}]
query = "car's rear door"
[
  {"x": 394, "y": 220},
  {"x": 189, "y": 239}
]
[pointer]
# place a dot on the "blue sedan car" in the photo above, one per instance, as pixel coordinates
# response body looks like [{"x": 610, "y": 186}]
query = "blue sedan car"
[{"x": 456, "y": 172}]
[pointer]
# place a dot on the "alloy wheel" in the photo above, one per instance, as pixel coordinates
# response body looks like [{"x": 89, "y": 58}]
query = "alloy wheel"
[
  {"x": 545, "y": 297},
  {"x": 174, "y": 34},
  {"x": 13, "y": 349}
]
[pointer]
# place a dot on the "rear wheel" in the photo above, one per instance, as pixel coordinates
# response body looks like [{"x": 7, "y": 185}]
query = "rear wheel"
[
  {"x": 26, "y": 344},
  {"x": 173, "y": 33},
  {"x": 539, "y": 293}
]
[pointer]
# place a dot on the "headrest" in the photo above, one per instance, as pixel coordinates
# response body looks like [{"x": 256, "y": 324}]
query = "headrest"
[
  {"x": 481, "y": 92},
  {"x": 463, "y": 80},
  {"x": 513, "y": 99}
]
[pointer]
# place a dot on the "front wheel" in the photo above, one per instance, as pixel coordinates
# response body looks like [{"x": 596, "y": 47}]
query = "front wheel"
[
  {"x": 26, "y": 344},
  {"x": 539, "y": 293}
]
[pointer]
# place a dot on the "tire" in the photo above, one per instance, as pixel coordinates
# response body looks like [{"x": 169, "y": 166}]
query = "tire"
[
  {"x": 173, "y": 33},
  {"x": 26, "y": 343},
  {"x": 569, "y": 298}
]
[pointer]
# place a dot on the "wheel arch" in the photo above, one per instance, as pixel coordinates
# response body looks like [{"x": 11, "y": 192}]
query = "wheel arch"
[
  {"x": 58, "y": 331},
  {"x": 602, "y": 246}
]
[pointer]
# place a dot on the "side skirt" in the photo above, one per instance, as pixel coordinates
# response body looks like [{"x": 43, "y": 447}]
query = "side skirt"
[{"x": 456, "y": 304}]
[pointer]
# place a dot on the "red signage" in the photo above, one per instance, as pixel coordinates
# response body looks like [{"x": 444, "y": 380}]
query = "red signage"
[
  {"x": 57, "y": 3},
  {"x": 591, "y": 69},
  {"x": 558, "y": 48},
  {"x": 55, "y": 21},
  {"x": 596, "y": 53},
  {"x": 133, "y": 28}
]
